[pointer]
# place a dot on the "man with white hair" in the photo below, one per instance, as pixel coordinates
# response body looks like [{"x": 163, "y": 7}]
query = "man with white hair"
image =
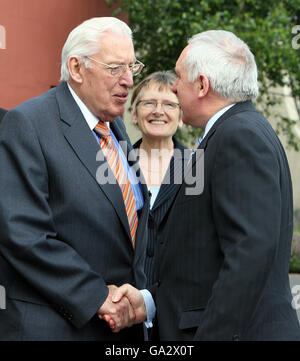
[
  {"x": 223, "y": 255},
  {"x": 67, "y": 235}
]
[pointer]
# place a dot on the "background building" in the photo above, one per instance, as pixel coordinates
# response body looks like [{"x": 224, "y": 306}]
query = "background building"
[{"x": 35, "y": 31}]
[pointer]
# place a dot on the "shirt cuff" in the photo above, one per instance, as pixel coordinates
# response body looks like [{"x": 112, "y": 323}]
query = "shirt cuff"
[{"x": 150, "y": 307}]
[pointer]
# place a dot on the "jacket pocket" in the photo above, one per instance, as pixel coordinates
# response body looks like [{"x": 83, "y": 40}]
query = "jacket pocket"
[
  {"x": 191, "y": 318},
  {"x": 27, "y": 297}
]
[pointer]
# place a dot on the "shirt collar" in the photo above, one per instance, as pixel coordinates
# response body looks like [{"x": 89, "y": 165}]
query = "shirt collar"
[
  {"x": 215, "y": 117},
  {"x": 90, "y": 118}
]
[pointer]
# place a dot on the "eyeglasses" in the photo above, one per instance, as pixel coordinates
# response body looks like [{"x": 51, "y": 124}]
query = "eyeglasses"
[
  {"x": 119, "y": 70},
  {"x": 151, "y": 104}
]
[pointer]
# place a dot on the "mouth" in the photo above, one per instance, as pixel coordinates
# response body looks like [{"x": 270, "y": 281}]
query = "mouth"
[
  {"x": 121, "y": 98},
  {"x": 158, "y": 122}
]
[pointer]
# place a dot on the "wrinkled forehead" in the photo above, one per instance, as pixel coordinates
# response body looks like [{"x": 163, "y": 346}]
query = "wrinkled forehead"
[{"x": 114, "y": 46}]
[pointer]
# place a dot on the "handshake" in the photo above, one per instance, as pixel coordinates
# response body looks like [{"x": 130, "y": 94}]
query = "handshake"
[{"x": 123, "y": 307}]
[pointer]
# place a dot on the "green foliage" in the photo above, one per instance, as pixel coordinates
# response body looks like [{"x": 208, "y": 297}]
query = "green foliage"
[
  {"x": 162, "y": 27},
  {"x": 295, "y": 263}
]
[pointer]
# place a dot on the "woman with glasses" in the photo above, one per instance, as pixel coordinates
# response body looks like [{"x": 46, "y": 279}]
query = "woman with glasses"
[{"x": 156, "y": 112}]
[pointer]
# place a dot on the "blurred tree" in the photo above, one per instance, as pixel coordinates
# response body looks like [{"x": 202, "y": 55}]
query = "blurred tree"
[{"x": 161, "y": 29}]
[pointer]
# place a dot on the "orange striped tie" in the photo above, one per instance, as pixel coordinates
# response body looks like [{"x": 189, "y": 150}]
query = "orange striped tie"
[{"x": 111, "y": 154}]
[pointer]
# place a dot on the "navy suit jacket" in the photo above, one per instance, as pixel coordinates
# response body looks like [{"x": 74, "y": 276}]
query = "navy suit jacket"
[
  {"x": 170, "y": 184},
  {"x": 223, "y": 255},
  {"x": 64, "y": 236}
]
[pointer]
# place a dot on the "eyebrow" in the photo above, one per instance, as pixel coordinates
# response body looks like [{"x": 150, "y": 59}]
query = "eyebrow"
[
  {"x": 116, "y": 62},
  {"x": 163, "y": 100}
]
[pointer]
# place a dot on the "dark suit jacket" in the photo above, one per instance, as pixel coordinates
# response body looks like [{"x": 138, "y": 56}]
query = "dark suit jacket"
[
  {"x": 64, "y": 236},
  {"x": 169, "y": 187},
  {"x": 224, "y": 254},
  {"x": 2, "y": 113}
]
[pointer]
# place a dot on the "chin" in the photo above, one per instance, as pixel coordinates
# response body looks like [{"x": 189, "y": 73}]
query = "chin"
[{"x": 187, "y": 121}]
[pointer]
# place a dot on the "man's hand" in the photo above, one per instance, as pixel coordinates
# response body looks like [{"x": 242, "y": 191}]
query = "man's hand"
[
  {"x": 118, "y": 314},
  {"x": 135, "y": 298}
]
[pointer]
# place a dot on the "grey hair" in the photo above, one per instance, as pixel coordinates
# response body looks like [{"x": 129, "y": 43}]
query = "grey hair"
[
  {"x": 227, "y": 62},
  {"x": 83, "y": 41}
]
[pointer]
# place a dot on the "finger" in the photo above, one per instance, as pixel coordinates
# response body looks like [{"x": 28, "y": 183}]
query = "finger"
[
  {"x": 120, "y": 292},
  {"x": 127, "y": 313},
  {"x": 131, "y": 315}
]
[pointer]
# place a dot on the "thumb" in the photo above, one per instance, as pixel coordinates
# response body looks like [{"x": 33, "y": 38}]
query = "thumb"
[{"x": 119, "y": 293}]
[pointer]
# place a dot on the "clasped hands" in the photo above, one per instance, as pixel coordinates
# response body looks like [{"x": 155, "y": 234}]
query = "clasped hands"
[{"x": 123, "y": 307}]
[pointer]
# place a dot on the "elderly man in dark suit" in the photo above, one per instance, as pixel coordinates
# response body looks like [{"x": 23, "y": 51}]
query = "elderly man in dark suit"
[
  {"x": 70, "y": 231},
  {"x": 223, "y": 257}
]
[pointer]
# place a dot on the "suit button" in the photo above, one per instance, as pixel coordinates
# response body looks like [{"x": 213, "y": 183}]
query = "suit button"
[
  {"x": 160, "y": 240},
  {"x": 158, "y": 283},
  {"x": 235, "y": 338},
  {"x": 150, "y": 253}
]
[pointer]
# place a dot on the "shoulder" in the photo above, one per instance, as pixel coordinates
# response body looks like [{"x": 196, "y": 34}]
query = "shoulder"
[
  {"x": 37, "y": 106},
  {"x": 245, "y": 121}
]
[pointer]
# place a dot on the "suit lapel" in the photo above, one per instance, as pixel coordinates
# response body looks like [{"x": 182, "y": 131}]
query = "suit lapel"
[
  {"x": 84, "y": 144},
  {"x": 237, "y": 108}
]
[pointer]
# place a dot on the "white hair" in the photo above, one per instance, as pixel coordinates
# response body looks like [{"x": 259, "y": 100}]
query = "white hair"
[
  {"x": 227, "y": 62},
  {"x": 83, "y": 41}
]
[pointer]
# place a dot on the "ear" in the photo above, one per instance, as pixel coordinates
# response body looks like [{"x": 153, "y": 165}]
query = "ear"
[
  {"x": 134, "y": 117},
  {"x": 180, "y": 123},
  {"x": 203, "y": 85},
  {"x": 74, "y": 66}
]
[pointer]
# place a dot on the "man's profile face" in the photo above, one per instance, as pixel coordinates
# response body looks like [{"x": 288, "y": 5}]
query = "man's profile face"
[
  {"x": 186, "y": 91},
  {"x": 104, "y": 94}
]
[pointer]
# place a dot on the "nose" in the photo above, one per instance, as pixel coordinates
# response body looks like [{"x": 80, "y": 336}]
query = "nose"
[
  {"x": 127, "y": 78},
  {"x": 158, "y": 109}
]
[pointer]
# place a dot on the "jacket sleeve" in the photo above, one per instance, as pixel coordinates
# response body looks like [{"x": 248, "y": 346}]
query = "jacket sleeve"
[{"x": 28, "y": 240}]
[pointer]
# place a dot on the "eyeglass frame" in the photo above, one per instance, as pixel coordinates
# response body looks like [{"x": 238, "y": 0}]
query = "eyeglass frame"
[
  {"x": 123, "y": 66},
  {"x": 161, "y": 103}
]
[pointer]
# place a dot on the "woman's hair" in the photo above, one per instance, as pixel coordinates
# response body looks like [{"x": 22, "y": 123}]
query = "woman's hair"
[
  {"x": 84, "y": 40},
  {"x": 227, "y": 62},
  {"x": 164, "y": 80}
]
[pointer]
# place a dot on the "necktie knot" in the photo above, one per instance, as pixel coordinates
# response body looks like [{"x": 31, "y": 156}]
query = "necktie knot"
[{"x": 102, "y": 129}]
